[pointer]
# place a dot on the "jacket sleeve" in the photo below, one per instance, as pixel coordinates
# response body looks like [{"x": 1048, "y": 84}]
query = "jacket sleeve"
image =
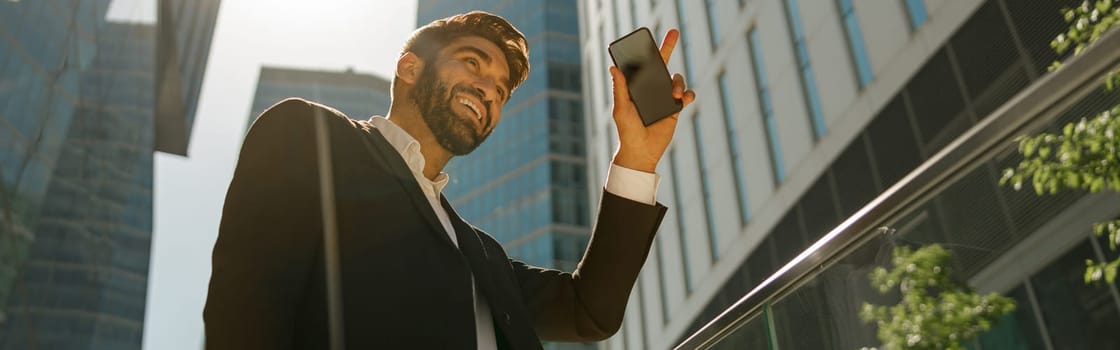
[
  {"x": 269, "y": 234},
  {"x": 588, "y": 304}
]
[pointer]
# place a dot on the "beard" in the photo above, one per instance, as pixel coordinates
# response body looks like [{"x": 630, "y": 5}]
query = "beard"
[{"x": 454, "y": 132}]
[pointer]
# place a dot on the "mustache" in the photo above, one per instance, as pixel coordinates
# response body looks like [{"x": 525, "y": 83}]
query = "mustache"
[{"x": 464, "y": 89}]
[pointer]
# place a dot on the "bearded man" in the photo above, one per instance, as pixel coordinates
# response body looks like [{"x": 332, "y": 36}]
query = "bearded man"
[{"x": 335, "y": 232}]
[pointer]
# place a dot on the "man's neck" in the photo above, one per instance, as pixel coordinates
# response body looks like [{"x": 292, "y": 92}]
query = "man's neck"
[{"x": 435, "y": 156}]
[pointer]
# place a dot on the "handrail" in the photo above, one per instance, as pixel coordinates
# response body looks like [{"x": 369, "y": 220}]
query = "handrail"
[{"x": 1031, "y": 109}]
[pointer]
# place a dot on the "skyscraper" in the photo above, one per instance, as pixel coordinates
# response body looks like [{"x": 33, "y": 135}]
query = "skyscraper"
[
  {"x": 527, "y": 184},
  {"x": 806, "y": 111},
  {"x": 39, "y": 74},
  {"x": 184, "y": 30},
  {"x": 82, "y": 279},
  {"x": 357, "y": 95}
]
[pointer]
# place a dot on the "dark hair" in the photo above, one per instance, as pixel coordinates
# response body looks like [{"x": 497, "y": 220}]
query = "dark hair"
[{"x": 427, "y": 41}]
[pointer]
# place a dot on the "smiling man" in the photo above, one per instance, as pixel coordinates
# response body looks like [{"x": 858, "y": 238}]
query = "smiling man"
[{"x": 411, "y": 274}]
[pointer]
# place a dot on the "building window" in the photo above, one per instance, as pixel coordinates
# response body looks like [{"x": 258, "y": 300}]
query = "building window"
[
  {"x": 808, "y": 82},
  {"x": 634, "y": 14},
  {"x": 614, "y": 15},
  {"x": 684, "y": 42},
  {"x": 603, "y": 57},
  {"x": 855, "y": 42},
  {"x": 766, "y": 109},
  {"x": 917, "y": 11},
  {"x": 683, "y": 244},
  {"x": 737, "y": 166},
  {"x": 713, "y": 26},
  {"x": 661, "y": 279},
  {"x": 705, "y": 187}
]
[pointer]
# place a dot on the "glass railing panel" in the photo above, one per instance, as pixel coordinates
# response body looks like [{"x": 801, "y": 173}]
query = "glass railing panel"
[
  {"x": 755, "y": 333},
  {"x": 824, "y": 312},
  {"x": 1015, "y": 330}
]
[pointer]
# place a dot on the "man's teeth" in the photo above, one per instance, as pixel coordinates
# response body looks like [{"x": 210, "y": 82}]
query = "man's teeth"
[{"x": 471, "y": 105}]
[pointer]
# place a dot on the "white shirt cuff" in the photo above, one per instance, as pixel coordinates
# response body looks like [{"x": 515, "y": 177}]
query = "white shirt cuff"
[{"x": 638, "y": 186}]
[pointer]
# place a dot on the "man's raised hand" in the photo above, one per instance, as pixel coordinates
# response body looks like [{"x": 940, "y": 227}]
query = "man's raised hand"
[{"x": 640, "y": 147}]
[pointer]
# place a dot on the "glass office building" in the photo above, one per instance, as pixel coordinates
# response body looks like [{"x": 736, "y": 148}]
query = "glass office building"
[
  {"x": 184, "y": 31},
  {"x": 527, "y": 184},
  {"x": 39, "y": 73},
  {"x": 357, "y": 95},
  {"x": 79, "y": 280},
  {"x": 892, "y": 84}
]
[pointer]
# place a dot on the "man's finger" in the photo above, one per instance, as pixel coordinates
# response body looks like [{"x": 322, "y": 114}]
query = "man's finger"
[
  {"x": 688, "y": 97},
  {"x": 668, "y": 43},
  {"x": 678, "y": 85},
  {"x": 621, "y": 91}
]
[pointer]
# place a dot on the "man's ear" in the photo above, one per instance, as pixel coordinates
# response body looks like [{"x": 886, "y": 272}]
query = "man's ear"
[{"x": 409, "y": 66}]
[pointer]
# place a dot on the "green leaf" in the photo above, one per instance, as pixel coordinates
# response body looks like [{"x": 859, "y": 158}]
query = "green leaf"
[
  {"x": 1110, "y": 272},
  {"x": 1027, "y": 147},
  {"x": 945, "y": 312},
  {"x": 1053, "y": 65},
  {"x": 1093, "y": 272}
]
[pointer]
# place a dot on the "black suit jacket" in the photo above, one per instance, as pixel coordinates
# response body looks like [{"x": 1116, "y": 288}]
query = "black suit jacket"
[{"x": 404, "y": 283}]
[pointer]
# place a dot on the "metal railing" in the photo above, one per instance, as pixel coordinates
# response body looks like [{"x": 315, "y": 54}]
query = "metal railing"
[{"x": 1030, "y": 110}]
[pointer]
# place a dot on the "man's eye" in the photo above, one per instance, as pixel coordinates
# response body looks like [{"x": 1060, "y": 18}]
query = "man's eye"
[{"x": 473, "y": 62}]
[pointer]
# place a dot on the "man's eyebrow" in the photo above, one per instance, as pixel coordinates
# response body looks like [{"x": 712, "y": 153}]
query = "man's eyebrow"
[{"x": 481, "y": 54}]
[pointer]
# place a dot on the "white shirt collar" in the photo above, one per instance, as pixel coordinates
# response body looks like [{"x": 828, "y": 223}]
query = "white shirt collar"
[{"x": 409, "y": 149}]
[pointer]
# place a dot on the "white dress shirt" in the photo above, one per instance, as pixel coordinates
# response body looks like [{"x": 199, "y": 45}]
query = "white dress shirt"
[{"x": 627, "y": 183}]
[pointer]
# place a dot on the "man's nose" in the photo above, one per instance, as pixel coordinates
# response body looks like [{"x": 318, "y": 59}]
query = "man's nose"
[{"x": 486, "y": 88}]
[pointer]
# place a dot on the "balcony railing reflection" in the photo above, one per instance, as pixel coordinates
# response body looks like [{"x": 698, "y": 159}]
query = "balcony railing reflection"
[{"x": 813, "y": 302}]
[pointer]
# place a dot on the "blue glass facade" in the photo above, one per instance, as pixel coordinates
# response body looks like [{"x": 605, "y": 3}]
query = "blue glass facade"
[
  {"x": 82, "y": 168},
  {"x": 90, "y": 256},
  {"x": 357, "y": 95},
  {"x": 39, "y": 76},
  {"x": 527, "y": 184}
]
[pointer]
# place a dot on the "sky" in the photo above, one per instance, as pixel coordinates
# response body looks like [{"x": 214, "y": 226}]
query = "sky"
[{"x": 189, "y": 191}]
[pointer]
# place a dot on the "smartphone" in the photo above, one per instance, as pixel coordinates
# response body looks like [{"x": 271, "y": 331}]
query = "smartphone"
[{"x": 651, "y": 88}]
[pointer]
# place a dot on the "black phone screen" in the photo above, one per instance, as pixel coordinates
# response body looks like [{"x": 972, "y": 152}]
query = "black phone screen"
[{"x": 651, "y": 88}]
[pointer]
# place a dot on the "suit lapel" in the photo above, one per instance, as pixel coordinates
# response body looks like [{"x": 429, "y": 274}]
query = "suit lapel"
[
  {"x": 470, "y": 243},
  {"x": 471, "y": 246},
  {"x": 388, "y": 158}
]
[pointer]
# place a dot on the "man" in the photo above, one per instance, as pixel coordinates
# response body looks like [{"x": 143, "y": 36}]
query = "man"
[{"x": 413, "y": 274}]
